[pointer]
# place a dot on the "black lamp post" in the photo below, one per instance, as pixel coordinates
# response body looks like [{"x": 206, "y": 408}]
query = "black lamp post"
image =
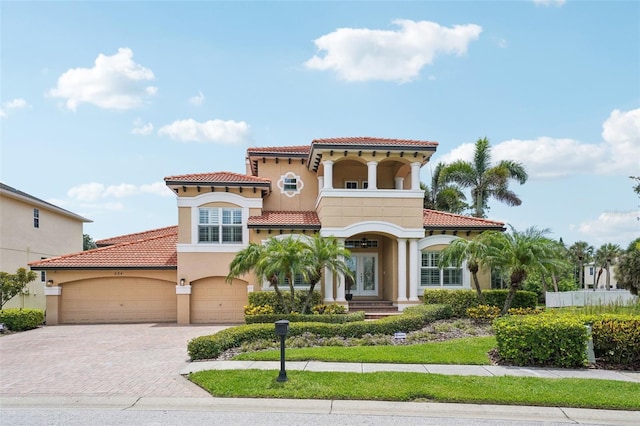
[{"x": 282, "y": 329}]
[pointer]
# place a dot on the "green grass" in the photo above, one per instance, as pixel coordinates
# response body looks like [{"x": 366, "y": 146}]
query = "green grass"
[
  {"x": 471, "y": 350},
  {"x": 391, "y": 386}
]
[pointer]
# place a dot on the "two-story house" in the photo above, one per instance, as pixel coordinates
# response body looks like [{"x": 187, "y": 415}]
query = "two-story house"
[
  {"x": 32, "y": 229},
  {"x": 364, "y": 191}
]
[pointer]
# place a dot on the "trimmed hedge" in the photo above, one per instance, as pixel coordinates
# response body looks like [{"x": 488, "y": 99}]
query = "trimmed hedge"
[
  {"x": 616, "y": 339},
  {"x": 210, "y": 347},
  {"x": 330, "y": 318},
  {"x": 270, "y": 298},
  {"x": 461, "y": 300},
  {"x": 19, "y": 319},
  {"x": 542, "y": 340}
]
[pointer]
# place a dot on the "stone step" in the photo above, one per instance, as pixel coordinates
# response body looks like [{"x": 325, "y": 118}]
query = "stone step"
[{"x": 373, "y": 309}]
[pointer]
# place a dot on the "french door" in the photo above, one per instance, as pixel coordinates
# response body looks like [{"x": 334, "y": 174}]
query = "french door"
[{"x": 364, "y": 267}]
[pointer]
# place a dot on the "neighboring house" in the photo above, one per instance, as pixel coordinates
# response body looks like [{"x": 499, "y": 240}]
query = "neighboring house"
[
  {"x": 364, "y": 191},
  {"x": 32, "y": 229},
  {"x": 591, "y": 279}
]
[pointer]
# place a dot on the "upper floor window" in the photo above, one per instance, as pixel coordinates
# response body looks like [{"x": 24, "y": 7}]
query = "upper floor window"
[
  {"x": 220, "y": 225},
  {"x": 290, "y": 184},
  {"x": 433, "y": 276},
  {"x": 36, "y": 218},
  {"x": 351, "y": 184}
]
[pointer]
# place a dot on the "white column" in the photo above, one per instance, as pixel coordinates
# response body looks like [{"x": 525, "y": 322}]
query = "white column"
[
  {"x": 328, "y": 174},
  {"x": 328, "y": 286},
  {"x": 413, "y": 270},
  {"x": 372, "y": 176},
  {"x": 340, "y": 287},
  {"x": 402, "y": 270},
  {"x": 399, "y": 182},
  {"x": 320, "y": 182},
  {"x": 415, "y": 176}
]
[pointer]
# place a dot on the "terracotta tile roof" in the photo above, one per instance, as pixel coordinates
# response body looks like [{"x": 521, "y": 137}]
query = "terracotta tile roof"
[
  {"x": 285, "y": 219},
  {"x": 137, "y": 236},
  {"x": 443, "y": 220},
  {"x": 270, "y": 150},
  {"x": 158, "y": 252},
  {"x": 216, "y": 178},
  {"x": 365, "y": 140}
]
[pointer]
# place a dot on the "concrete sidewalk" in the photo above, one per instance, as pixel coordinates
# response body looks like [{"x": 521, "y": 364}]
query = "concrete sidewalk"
[{"x": 462, "y": 370}]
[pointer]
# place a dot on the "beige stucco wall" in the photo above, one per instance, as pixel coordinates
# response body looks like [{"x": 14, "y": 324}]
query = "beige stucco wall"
[
  {"x": 21, "y": 243},
  {"x": 279, "y": 200},
  {"x": 343, "y": 211}
]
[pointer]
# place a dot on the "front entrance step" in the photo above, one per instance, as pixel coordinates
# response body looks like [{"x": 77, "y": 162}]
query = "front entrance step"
[{"x": 374, "y": 309}]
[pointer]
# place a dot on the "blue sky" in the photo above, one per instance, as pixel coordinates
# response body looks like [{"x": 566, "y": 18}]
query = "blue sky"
[{"x": 102, "y": 100}]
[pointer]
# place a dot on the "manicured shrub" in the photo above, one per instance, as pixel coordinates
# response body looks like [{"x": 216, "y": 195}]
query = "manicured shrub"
[
  {"x": 270, "y": 298},
  {"x": 525, "y": 311},
  {"x": 459, "y": 300},
  {"x": 616, "y": 339},
  {"x": 522, "y": 298},
  {"x": 252, "y": 309},
  {"x": 483, "y": 313},
  {"x": 542, "y": 340},
  {"x": 328, "y": 318},
  {"x": 209, "y": 347},
  {"x": 19, "y": 319},
  {"x": 334, "y": 308}
]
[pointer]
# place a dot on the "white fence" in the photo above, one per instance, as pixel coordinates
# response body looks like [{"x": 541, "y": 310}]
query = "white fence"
[{"x": 588, "y": 297}]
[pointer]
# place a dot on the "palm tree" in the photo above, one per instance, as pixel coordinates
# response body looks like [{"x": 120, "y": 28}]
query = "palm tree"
[
  {"x": 581, "y": 252},
  {"x": 628, "y": 268},
  {"x": 516, "y": 254},
  {"x": 271, "y": 261},
  {"x": 605, "y": 256},
  {"x": 326, "y": 253},
  {"x": 484, "y": 179},
  {"x": 473, "y": 251},
  {"x": 441, "y": 196}
]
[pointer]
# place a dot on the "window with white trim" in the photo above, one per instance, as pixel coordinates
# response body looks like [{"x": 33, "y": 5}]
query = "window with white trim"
[
  {"x": 219, "y": 225},
  {"x": 433, "y": 276},
  {"x": 351, "y": 184},
  {"x": 298, "y": 281},
  {"x": 290, "y": 184},
  {"x": 36, "y": 218}
]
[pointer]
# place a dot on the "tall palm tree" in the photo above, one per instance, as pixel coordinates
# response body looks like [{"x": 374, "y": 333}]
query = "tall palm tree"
[
  {"x": 516, "y": 254},
  {"x": 628, "y": 268},
  {"x": 485, "y": 180},
  {"x": 473, "y": 251},
  {"x": 606, "y": 256},
  {"x": 581, "y": 252},
  {"x": 442, "y": 196},
  {"x": 325, "y": 253},
  {"x": 271, "y": 261}
]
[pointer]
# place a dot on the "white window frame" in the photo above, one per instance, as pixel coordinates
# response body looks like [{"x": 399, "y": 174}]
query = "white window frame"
[
  {"x": 442, "y": 272},
  {"x": 36, "y": 218},
  {"x": 439, "y": 240},
  {"x": 220, "y": 219},
  {"x": 353, "y": 183}
]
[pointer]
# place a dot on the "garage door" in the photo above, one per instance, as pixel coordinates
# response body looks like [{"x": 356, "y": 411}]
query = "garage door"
[
  {"x": 118, "y": 300},
  {"x": 215, "y": 301}
]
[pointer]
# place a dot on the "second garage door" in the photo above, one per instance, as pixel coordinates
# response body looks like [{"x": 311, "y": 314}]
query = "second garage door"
[
  {"x": 215, "y": 301},
  {"x": 118, "y": 300}
]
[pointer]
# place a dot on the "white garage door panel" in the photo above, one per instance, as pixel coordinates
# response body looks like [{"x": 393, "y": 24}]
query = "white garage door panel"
[
  {"x": 118, "y": 300},
  {"x": 215, "y": 301}
]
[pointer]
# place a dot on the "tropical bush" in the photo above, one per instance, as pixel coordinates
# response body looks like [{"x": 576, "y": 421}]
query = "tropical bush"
[
  {"x": 542, "y": 340},
  {"x": 483, "y": 313},
  {"x": 270, "y": 298},
  {"x": 616, "y": 339},
  {"x": 19, "y": 319},
  {"x": 328, "y": 318},
  {"x": 461, "y": 300},
  {"x": 210, "y": 347}
]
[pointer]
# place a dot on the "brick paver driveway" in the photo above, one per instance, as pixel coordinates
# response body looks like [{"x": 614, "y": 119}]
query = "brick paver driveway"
[{"x": 99, "y": 360}]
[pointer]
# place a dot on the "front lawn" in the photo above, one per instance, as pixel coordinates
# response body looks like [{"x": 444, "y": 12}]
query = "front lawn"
[
  {"x": 392, "y": 386},
  {"x": 470, "y": 350}
]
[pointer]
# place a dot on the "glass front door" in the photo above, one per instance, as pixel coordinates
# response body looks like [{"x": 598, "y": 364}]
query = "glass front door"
[{"x": 365, "y": 274}]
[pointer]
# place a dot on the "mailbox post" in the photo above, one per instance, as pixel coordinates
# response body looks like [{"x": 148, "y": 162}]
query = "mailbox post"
[{"x": 282, "y": 329}]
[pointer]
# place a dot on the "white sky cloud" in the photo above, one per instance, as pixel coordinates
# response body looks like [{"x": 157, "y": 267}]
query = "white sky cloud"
[
  {"x": 17, "y": 103},
  {"x": 362, "y": 54},
  {"x": 197, "y": 100},
  {"x": 218, "y": 131},
  {"x": 556, "y": 3},
  {"x": 89, "y": 192},
  {"x": 611, "y": 227},
  {"x": 141, "y": 128},
  {"x": 115, "y": 82},
  {"x": 547, "y": 157}
]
